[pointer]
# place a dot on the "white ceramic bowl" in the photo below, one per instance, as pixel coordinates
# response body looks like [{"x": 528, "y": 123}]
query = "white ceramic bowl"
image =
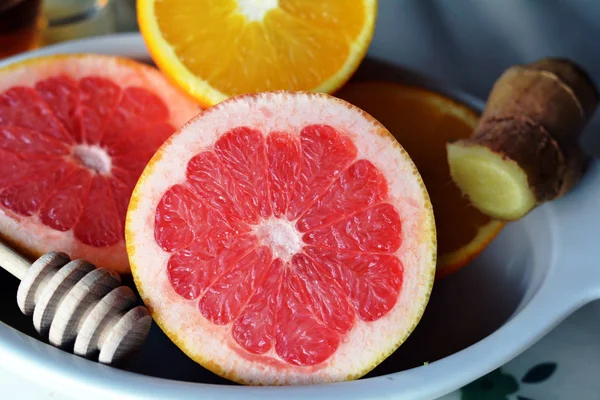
[{"x": 536, "y": 272}]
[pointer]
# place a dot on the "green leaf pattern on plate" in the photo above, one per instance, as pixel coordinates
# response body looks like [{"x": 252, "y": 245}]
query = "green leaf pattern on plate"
[{"x": 500, "y": 385}]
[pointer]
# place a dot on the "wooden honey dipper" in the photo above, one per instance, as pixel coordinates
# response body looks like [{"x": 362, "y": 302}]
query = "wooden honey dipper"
[{"x": 78, "y": 306}]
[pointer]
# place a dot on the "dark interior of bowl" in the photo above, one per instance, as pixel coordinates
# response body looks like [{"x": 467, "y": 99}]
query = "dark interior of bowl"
[{"x": 464, "y": 308}]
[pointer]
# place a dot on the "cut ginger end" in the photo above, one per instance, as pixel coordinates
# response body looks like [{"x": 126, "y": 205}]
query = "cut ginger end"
[
  {"x": 494, "y": 184},
  {"x": 525, "y": 148}
]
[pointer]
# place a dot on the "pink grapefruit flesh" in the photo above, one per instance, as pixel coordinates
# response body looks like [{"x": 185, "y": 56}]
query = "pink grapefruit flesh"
[
  {"x": 75, "y": 133},
  {"x": 283, "y": 238}
]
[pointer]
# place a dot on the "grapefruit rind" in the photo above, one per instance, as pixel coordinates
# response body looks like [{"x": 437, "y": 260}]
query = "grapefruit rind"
[
  {"x": 28, "y": 234},
  {"x": 168, "y": 62},
  {"x": 212, "y": 346}
]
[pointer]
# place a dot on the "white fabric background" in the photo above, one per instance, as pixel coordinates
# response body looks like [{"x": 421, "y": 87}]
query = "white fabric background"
[{"x": 469, "y": 43}]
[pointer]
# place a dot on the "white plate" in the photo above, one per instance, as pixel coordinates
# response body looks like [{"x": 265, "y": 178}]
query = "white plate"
[{"x": 534, "y": 274}]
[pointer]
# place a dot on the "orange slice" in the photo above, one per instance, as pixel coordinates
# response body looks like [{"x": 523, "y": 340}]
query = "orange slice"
[
  {"x": 423, "y": 122},
  {"x": 217, "y": 49},
  {"x": 283, "y": 238}
]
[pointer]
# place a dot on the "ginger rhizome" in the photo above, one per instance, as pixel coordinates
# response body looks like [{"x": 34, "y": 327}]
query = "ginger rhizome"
[{"x": 525, "y": 149}]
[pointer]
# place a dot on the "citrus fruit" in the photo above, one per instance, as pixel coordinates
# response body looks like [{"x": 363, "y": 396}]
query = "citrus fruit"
[
  {"x": 283, "y": 238},
  {"x": 423, "y": 122},
  {"x": 75, "y": 133},
  {"x": 217, "y": 49}
]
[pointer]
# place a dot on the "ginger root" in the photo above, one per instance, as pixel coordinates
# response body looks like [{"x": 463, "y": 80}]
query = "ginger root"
[{"x": 525, "y": 150}]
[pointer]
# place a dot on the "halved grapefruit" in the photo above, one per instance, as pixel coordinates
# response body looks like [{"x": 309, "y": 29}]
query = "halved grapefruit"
[
  {"x": 283, "y": 238},
  {"x": 75, "y": 133}
]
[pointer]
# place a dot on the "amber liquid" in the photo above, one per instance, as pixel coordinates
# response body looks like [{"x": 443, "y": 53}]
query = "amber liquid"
[{"x": 20, "y": 26}]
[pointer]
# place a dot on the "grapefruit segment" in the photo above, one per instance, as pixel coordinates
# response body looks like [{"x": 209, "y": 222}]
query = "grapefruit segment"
[
  {"x": 284, "y": 158},
  {"x": 371, "y": 281},
  {"x": 94, "y": 231},
  {"x": 254, "y": 329},
  {"x": 18, "y": 140},
  {"x": 228, "y": 294},
  {"x": 140, "y": 105},
  {"x": 138, "y": 112},
  {"x": 376, "y": 229},
  {"x": 61, "y": 94},
  {"x": 131, "y": 153},
  {"x": 63, "y": 207},
  {"x": 325, "y": 153},
  {"x": 242, "y": 152},
  {"x": 11, "y": 168},
  {"x": 22, "y": 107},
  {"x": 25, "y": 196},
  {"x": 175, "y": 209},
  {"x": 75, "y": 133},
  {"x": 212, "y": 182},
  {"x": 361, "y": 185},
  {"x": 300, "y": 338},
  {"x": 275, "y": 272},
  {"x": 120, "y": 195},
  {"x": 194, "y": 268},
  {"x": 189, "y": 270},
  {"x": 98, "y": 98},
  {"x": 323, "y": 294}
]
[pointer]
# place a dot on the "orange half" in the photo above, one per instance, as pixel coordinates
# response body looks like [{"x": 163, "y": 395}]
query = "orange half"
[
  {"x": 220, "y": 48},
  {"x": 423, "y": 122}
]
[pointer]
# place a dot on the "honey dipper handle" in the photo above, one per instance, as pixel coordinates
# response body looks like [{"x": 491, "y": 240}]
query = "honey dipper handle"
[{"x": 13, "y": 262}]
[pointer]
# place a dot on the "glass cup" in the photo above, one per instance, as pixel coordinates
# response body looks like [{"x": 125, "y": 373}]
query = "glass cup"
[
  {"x": 29, "y": 24},
  {"x": 21, "y": 26},
  {"x": 75, "y": 19}
]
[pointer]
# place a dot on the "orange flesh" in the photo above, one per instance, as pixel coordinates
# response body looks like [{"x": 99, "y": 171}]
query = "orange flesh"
[
  {"x": 288, "y": 240},
  {"x": 423, "y": 122},
  {"x": 296, "y": 46}
]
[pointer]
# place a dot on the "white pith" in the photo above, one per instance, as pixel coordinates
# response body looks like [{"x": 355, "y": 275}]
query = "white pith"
[
  {"x": 255, "y": 10},
  {"x": 29, "y": 233},
  {"x": 93, "y": 157},
  {"x": 367, "y": 343},
  {"x": 281, "y": 236}
]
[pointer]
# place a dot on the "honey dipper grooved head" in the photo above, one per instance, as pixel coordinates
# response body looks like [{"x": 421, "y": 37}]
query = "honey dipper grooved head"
[{"x": 83, "y": 308}]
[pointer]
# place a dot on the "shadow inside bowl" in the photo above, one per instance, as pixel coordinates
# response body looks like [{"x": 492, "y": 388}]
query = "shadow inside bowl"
[{"x": 464, "y": 308}]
